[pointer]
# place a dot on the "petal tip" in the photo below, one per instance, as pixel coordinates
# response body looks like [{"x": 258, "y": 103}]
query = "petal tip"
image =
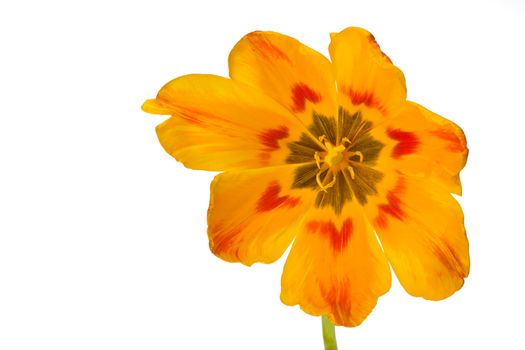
[{"x": 154, "y": 106}]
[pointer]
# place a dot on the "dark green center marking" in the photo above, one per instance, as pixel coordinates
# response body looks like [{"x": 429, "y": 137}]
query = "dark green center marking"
[{"x": 346, "y": 186}]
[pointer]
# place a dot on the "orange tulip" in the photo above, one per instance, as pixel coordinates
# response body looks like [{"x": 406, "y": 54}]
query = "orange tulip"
[{"x": 328, "y": 155}]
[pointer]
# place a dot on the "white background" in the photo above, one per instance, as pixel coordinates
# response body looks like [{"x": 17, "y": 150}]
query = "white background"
[{"x": 103, "y": 236}]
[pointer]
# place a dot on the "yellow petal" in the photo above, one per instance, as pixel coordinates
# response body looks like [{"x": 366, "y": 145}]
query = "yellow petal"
[
  {"x": 420, "y": 226},
  {"x": 293, "y": 74},
  {"x": 218, "y": 124},
  {"x": 252, "y": 213},
  {"x": 336, "y": 267},
  {"x": 366, "y": 77},
  {"x": 423, "y": 144}
]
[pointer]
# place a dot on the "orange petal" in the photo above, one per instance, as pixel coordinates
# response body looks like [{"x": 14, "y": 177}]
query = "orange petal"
[
  {"x": 336, "y": 267},
  {"x": 423, "y": 144},
  {"x": 366, "y": 77},
  {"x": 420, "y": 226},
  {"x": 218, "y": 124},
  {"x": 252, "y": 213},
  {"x": 293, "y": 74}
]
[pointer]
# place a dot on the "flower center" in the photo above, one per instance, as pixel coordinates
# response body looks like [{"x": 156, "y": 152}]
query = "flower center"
[
  {"x": 344, "y": 154},
  {"x": 334, "y": 155},
  {"x": 334, "y": 159}
]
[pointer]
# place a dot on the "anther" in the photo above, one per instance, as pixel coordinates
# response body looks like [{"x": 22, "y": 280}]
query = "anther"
[
  {"x": 318, "y": 179},
  {"x": 331, "y": 184},
  {"x": 352, "y": 173},
  {"x": 320, "y": 183},
  {"x": 317, "y": 159},
  {"x": 357, "y": 153}
]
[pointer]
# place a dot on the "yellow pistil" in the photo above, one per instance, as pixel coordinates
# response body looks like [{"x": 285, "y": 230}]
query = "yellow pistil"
[
  {"x": 333, "y": 159},
  {"x": 334, "y": 155}
]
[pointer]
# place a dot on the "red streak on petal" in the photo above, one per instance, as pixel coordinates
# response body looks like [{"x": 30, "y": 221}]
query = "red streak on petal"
[
  {"x": 338, "y": 296},
  {"x": 270, "y": 199},
  {"x": 198, "y": 117},
  {"x": 393, "y": 207},
  {"x": 455, "y": 145},
  {"x": 363, "y": 97},
  {"x": 300, "y": 93},
  {"x": 408, "y": 142},
  {"x": 265, "y": 47},
  {"x": 225, "y": 241},
  {"x": 270, "y": 137},
  {"x": 448, "y": 256},
  {"x": 338, "y": 239},
  {"x": 374, "y": 43},
  {"x": 190, "y": 115},
  {"x": 264, "y": 158}
]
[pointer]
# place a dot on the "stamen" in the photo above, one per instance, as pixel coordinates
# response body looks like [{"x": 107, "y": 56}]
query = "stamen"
[
  {"x": 356, "y": 153},
  {"x": 317, "y": 159},
  {"x": 352, "y": 173},
  {"x": 331, "y": 159},
  {"x": 320, "y": 183},
  {"x": 318, "y": 179},
  {"x": 331, "y": 184}
]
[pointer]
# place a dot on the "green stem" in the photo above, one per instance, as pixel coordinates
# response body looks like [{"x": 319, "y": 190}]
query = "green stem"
[{"x": 330, "y": 343}]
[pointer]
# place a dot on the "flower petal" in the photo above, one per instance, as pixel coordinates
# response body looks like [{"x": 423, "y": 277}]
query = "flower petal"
[
  {"x": 420, "y": 226},
  {"x": 336, "y": 267},
  {"x": 293, "y": 74},
  {"x": 218, "y": 124},
  {"x": 423, "y": 144},
  {"x": 252, "y": 213},
  {"x": 365, "y": 76}
]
